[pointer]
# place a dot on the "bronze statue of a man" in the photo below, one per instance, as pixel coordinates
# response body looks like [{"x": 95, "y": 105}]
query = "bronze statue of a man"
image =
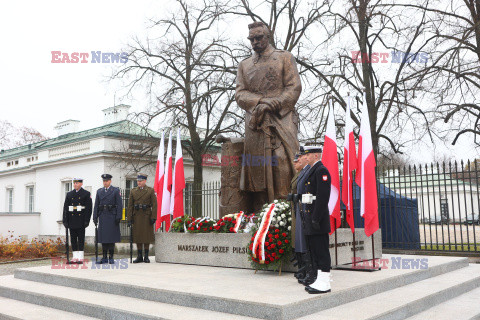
[{"x": 268, "y": 86}]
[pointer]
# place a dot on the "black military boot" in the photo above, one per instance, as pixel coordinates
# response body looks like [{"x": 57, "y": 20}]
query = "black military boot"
[
  {"x": 302, "y": 270},
  {"x": 139, "y": 257},
  {"x": 311, "y": 271},
  {"x": 145, "y": 259},
  {"x": 110, "y": 256},
  {"x": 104, "y": 259}
]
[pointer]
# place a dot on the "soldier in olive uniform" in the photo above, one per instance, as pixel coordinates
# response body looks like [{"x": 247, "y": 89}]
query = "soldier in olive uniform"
[
  {"x": 77, "y": 211},
  {"x": 141, "y": 214},
  {"x": 316, "y": 221},
  {"x": 108, "y": 213}
]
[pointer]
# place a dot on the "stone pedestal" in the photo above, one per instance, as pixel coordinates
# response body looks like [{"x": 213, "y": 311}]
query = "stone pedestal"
[
  {"x": 230, "y": 249},
  {"x": 232, "y": 199}
]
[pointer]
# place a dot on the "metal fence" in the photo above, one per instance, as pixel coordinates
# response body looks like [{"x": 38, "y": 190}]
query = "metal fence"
[{"x": 432, "y": 207}]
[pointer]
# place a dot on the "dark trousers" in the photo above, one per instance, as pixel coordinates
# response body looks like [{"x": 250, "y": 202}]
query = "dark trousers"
[
  {"x": 77, "y": 238},
  {"x": 144, "y": 245},
  {"x": 319, "y": 250},
  {"x": 108, "y": 246}
]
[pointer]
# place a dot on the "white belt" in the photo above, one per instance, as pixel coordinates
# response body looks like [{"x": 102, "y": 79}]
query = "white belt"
[{"x": 77, "y": 208}]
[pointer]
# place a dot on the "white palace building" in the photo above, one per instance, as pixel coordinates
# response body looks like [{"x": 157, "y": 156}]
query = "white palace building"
[{"x": 35, "y": 178}]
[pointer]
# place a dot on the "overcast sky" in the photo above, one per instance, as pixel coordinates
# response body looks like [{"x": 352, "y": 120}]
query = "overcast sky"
[{"x": 38, "y": 93}]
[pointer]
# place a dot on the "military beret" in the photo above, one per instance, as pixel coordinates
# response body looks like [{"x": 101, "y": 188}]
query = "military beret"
[
  {"x": 77, "y": 180},
  {"x": 312, "y": 149},
  {"x": 141, "y": 176},
  {"x": 106, "y": 176}
]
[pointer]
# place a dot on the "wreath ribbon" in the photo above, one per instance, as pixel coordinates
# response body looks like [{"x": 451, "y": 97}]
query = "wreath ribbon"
[
  {"x": 259, "y": 242},
  {"x": 238, "y": 222}
]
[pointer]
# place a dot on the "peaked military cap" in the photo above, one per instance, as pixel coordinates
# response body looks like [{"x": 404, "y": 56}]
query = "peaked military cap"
[
  {"x": 106, "y": 176},
  {"x": 141, "y": 176}
]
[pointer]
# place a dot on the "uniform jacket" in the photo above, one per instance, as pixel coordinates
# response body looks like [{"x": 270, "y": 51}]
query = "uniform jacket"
[
  {"x": 316, "y": 216},
  {"x": 77, "y": 209},
  {"x": 108, "y": 228},
  {"x": 142, "y": 228}
]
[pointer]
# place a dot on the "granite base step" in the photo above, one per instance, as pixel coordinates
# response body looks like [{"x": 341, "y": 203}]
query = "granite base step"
[
  {"x": 408, "y": 300},
  {"x": 200, "y": 289},
  {"x": 463, "y": 307},
  {"x": 100, "y": 305},
  {"x": 14, "y": 309}
]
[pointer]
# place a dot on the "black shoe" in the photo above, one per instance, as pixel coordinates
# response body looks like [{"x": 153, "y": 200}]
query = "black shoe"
[
  {"x": 309, "y": 278},
  {"x": 145, "y": 259},
  {"x": 139, "y": 257},
  {"x": 110, "y": 257},
  {"x": 311, "y": 290},
  {"x": 104, "y": 259}
]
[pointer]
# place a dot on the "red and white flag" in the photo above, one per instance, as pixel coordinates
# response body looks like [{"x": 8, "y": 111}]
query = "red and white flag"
[
  {"x": 330, "y": 161},
  {"x": 349, "y": 164},
  {"x": 365, "y": 176},
  {"x": 158, "y": 185},
  {"x": 167, "y": 185},
  {"x": 176, "y": 203}
]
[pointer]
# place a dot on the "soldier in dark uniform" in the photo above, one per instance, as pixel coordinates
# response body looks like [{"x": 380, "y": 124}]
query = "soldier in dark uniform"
[
  {"x": 77, "y": 211},
  {"x": 301, "y": 252},
  {"x": 316, "y": 221},
  {"x": 142, "y": 213},
  {"x": 107, "y": 214}
]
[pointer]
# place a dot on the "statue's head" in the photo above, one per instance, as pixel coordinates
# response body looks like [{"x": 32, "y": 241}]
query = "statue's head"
[{"x": 259, "y": 36}]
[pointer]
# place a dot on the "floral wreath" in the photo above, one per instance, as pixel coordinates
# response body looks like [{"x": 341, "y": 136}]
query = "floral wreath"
[{"x": 270, "y": 245}]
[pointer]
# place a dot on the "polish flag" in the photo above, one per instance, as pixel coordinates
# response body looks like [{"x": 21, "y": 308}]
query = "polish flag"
[
  {"x": 330, "y": 161},
  {"x": 349, "y": 164},
  {"x": 365, "y": 175},
  {"x": 167, "y": 185},
  {"x": 158, "y": 185},
  {"x": 176, "y": 201}
]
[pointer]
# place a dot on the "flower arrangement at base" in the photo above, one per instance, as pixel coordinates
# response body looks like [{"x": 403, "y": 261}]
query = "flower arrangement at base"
[
  {"x": 201, "y": 225},
  {"x": 270, "y": 245},
  {"x": 179, "y": 224},
  {"x": 228, "y": 224}
]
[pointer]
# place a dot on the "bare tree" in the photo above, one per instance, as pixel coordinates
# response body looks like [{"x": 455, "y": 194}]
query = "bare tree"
[
  {"x": 11, "y": 136},
  {"x": 190, "y": 72},
  {"x": 454, "y": 73}
]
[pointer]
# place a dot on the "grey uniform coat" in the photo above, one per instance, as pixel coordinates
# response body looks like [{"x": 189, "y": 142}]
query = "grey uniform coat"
[
  {"x": 300, "y": 244},
  {"x": 108, "y": 217}
]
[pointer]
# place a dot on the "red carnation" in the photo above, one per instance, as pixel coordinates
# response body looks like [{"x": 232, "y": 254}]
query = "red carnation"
[
  {"x": 281, "y": 251},
  {"x": 267, "y": 244},
  {"x": 286, "y": 241},
  {"x": 274, "y": 254},
  {"x": 277, "y": 231},
  {"x": 201, "y": 224},
  {"x": 269, "y": 235},
  {"x": 222, "y": 224},
  {"x": 279, "y": 243},
  {"x": 231, "y": 229},
  {"x": 284, "y": 234},
  {"x": 272, "y": 258},
  {"x": 272, "y": 246},
  {"x": 267, "y": 262},
  {"x": 276, "y": 236}
]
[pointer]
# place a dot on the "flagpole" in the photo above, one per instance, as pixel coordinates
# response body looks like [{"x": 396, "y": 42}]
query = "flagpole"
[
  {"x": 336, "y": 250},
  {"x": 354, "y": 250}
]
